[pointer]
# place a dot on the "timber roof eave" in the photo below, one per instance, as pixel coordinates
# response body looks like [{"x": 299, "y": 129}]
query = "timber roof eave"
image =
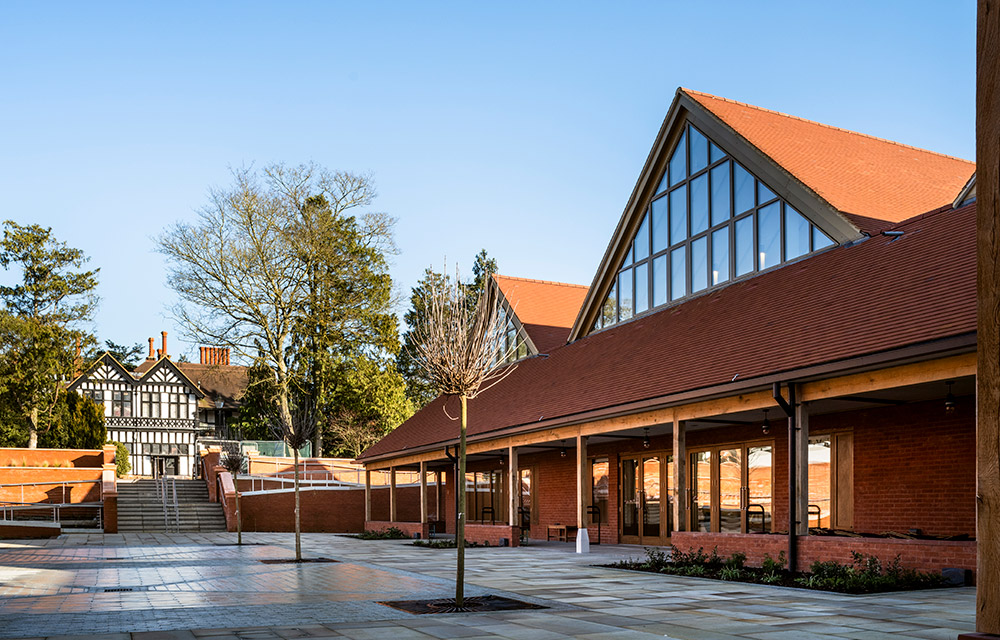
[
  {"x": 968, "y": 189},
  {"x": 954, "y": 345},
  {"x": 785, "y": 184}
]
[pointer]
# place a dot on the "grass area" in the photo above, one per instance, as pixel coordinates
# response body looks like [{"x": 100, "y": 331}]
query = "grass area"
[{"x": 865, "y": 574}]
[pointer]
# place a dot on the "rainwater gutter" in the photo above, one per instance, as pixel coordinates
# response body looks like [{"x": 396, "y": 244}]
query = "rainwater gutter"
[{"x": 789, "y": 408}]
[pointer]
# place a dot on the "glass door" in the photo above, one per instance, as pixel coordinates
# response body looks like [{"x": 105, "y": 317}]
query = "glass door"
[
  {"x": 645, "y": 503},
  {"x": 731, "y": 489}
]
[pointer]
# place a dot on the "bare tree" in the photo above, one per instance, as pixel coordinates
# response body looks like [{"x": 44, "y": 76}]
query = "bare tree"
[
  {"x": 296, "y": 427},
  {"x": 460, "y": 346},
  {"x": 233, "y": 459},
  {"x": 355, "y": 432},
  {"x": 243, "y": 272}
]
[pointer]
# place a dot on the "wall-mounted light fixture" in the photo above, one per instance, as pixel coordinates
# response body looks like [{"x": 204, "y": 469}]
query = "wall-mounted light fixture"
[
  {"x": 645, "y": 438},
  {"x": 766, "y": 427},
  {"x": 949, "y": 400},
  {"x": 562, "y": 452}
]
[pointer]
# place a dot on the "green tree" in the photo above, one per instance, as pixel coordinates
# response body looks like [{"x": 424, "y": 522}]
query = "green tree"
[
  {"x": 84, "y": 423},
  {"x": 257, "y": 403},
  {"x": 40, "y": 321},
  {"x": 128, "y": 356},
  {"x": 348, "y": 317},
  {"x": 371, "y": 401},
  {"x": 419, "y": 388}
]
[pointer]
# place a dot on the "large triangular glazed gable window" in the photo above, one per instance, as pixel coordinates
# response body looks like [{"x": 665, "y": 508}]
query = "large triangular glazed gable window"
[{"x": 710, "y": 222}]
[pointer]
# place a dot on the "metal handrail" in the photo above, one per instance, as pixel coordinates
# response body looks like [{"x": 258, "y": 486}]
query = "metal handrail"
[{"x": 177, "y": 511}]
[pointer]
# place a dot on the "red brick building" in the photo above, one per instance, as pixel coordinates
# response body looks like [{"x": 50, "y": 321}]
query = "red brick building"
[{"x": 779, "y": 342}]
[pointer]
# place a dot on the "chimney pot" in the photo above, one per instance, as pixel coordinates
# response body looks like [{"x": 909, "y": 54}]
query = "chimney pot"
[
  {"x": 157, "y": 354},
  {"x": 164, "y": 350},
  {"x": 150, "y": 356}
]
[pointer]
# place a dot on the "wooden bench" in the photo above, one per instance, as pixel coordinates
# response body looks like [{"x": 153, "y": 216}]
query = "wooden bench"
[{"x": 561, "y": 532}]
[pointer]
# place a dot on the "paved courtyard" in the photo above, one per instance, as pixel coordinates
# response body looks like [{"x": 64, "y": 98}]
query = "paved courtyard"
[{"x": 162, "y": 587}]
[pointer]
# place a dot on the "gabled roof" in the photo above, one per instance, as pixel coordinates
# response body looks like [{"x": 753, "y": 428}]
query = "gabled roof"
[
  {"x": 854, "y": 172},
  {"x": 849, "y": 184},
  {"x": 869, "y": 299},
  {"x": 112, "y": 364},
  {"x": 147, "y": 370},
  {"x": 968, "y": 192},
  {"x": 545, "y": 309}
]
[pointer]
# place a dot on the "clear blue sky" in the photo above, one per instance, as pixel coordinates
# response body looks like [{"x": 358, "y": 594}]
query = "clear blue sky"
[{"x": 515, "y": 127}]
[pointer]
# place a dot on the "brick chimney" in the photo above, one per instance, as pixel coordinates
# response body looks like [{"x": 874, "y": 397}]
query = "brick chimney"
[
  {"x": 163, "y": 334},
  {"x": 151, "y": 355},
  {"x": 214, "y": 355}
]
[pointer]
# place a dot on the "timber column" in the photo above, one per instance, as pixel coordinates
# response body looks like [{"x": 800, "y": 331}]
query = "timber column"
[
  {"x": 368, "y": 497},
  {"x": 423, "y": 495},
  {"x": 392, "y": 494},
  {"x": 988, "y": 317},
  {"x": 582, "y": 499}
]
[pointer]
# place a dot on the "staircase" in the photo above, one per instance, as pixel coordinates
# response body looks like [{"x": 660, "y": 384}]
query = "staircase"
[{"x": 140, "y": 508}]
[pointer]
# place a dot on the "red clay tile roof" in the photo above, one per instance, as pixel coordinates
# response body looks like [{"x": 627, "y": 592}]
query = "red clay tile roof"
[
  {"x": 874, "y": 296},
  {"x": 546, "y": 309},
  {"x": 854, "y": 172}
]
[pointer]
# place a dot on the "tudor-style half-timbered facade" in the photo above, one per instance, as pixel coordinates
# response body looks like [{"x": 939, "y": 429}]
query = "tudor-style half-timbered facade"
[{"x": 153, "y": 413}]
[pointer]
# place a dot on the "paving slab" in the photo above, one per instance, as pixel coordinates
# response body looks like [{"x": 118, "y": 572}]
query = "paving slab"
[{"x": 173, "y": 587}]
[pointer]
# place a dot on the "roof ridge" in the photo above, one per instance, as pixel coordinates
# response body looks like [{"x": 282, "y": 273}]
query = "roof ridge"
[
  {"x": 561, "y": 284},
  {"x": 827, "y": 126}
]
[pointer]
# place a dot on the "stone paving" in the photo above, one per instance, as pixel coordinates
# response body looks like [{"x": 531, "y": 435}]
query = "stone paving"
[{"x": 186, "y": 586}]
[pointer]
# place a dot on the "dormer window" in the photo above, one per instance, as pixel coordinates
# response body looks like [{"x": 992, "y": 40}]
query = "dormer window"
[{"x": 710, "y": 222}]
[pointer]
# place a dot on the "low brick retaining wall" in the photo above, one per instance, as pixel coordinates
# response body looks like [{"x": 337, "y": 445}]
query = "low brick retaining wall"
[{"x": 926, "y": 555}]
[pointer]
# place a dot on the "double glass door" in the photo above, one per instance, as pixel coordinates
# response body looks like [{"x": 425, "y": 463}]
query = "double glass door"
[
  {"x": 646, "y": 508},
  {"x": 731, "y": 488}
]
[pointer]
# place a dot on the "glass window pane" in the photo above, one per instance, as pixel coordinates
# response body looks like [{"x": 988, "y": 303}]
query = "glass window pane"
[
  {"x": 720, "y": 255},
  {"x": 664, "y": 182},
  {"x": 628, "y": 254},
  {"x": 716, "y": 154},
  {"x": 678, "y": 215},
  {"x": 768, "y": 236},
  {"x": 625, "y": 295},
  {"x": 820, "y": 239},
  {"x": 641, "y": 287},
  {"x": 699, "y": 264},
  {"x": 699, "y": 150},
  {"x": 678, "y": 273},
  {"x": 744, "y": 246},
  {"x": 699, "y": 204},
  {"x": 796, "y": 234},
  {"x": 759, "y": 509},
  {"x": 678, "y": 162},
  {"x": 720, "y": 194},
  {"x": 730, "y": 487},
  {"x": 608, "y": 312},
  {"x": 659, "y": 280},
  {"x": 659, "y": 216},
  {"x": 764, "y": 194},
  {"x": 742, "y": 189},
  {"x": 641, "y": 242},
  {"x": 819, "y": 481}
]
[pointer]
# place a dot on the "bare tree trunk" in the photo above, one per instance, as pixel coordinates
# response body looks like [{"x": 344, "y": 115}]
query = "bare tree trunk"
[
  {"x": 33, "y": 428},
  {"x": 298, "y": 532},
  {"x": 460, "y": 516}
]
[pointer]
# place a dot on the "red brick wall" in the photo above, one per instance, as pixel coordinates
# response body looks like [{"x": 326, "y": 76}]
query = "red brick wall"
[
  {"x": 22, "y": 530},
  {"x": 927, "y": 555},
  {"x": 409, "y": 528},
  {"x": 321, "y": 511},
  {"x": 88, "y": 492},
  {"x": 914, "y": 467},
  {"x": 93, "y": 458}
]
